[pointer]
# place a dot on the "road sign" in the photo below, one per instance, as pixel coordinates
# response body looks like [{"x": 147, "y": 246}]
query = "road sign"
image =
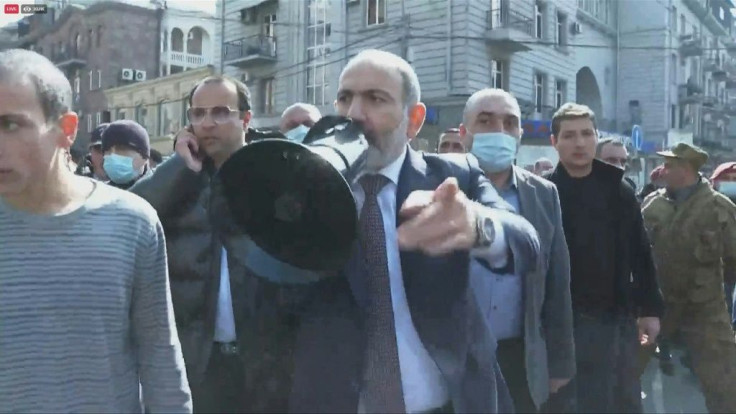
[{"x": 637, "y": 137}]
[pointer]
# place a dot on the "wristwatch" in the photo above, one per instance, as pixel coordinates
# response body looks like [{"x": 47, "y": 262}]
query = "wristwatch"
[{"x": 485, "y": 232}]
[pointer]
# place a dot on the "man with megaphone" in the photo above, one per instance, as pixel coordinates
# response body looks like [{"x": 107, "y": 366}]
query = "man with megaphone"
[{"x": 401, "y": 332}]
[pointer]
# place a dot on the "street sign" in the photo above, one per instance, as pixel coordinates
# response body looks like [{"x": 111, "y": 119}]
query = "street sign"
[{"x": 637, "y": 137}]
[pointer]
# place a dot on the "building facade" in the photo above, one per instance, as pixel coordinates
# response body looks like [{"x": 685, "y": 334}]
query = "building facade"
[
  {"x": 187, "y": 40},
  {"x": 105, "y": 45},
  {"x": 294, "y": 51}
]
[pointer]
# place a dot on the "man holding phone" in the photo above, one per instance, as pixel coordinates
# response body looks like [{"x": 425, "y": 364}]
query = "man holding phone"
[{"x": 219, "y": 327}]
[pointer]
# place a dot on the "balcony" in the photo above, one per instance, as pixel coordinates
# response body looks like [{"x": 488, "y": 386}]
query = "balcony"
[
  {"x": 186, "y": 59},
  {"x": 716, "y": 68},
  {"x": 249, "y": 51},
  {"x": 689, "y": 93},
  {"x": 691, "y": 45},
  {"x": 715, "y": 26},
  {"x": 730, "y": 109},
  {"x": 509, "y": 30},
  {"x": 69, "y": 60},
  {"x": 699, "y": 7}
]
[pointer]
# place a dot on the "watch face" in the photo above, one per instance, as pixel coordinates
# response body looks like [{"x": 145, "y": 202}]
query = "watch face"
[{"x": 487, "y": 231}]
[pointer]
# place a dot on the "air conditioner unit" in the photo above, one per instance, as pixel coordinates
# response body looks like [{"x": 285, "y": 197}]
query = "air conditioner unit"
[
  {"x": 127, "y": 74},
  {"x": 140, "y": 75},
  {"x": 576, "y": 28},
  {"x": 248, "y": 16}
]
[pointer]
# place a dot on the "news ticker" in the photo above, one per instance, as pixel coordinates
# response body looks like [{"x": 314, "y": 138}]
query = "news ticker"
[{"x": 25, "y": 8}]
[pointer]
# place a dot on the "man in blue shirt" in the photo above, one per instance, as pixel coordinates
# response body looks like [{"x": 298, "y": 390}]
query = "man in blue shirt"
[{"x": 530, "y": 313}]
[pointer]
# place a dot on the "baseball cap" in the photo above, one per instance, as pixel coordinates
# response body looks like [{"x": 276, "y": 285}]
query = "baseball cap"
[{"x": 128, "y": 133}]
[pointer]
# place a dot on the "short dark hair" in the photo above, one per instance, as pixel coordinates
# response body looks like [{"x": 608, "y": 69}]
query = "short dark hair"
[
  {"x": 605, "y": 141},
  {"x": 570, "y": 111},
  {"x": 52, "y": 87},
  {"x": 243, "y": 91}
]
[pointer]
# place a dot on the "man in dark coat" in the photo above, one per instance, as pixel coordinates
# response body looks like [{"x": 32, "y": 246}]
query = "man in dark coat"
[{"x": 615, "y": 295}]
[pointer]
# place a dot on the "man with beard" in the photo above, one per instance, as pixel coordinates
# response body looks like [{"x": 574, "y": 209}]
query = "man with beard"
[{"x": 401, "y": 331}]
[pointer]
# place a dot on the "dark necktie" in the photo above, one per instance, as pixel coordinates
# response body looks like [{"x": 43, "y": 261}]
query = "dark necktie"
[{"x": 382, "y": 390}]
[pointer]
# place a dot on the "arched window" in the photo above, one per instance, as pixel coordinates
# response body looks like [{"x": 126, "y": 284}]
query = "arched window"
[{"x": 177, "y": 40}]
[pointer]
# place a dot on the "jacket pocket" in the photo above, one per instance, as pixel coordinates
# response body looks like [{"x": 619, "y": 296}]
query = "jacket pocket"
[{"x": 707, "y": 246}]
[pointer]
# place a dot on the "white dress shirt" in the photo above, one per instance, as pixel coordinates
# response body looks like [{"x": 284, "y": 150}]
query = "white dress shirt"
[
  {"x": 423, "y": 385},
  {"x": 224, "y": 320}
]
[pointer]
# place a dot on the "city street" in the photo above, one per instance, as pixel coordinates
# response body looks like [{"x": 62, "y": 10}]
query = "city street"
[{"x": 671, "y": 394}]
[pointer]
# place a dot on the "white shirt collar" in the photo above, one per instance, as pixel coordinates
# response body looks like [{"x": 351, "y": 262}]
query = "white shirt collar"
[{"x": 393, "y": 170}]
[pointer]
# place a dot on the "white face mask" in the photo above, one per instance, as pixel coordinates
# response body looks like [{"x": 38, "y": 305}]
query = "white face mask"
[
  {"x": 297, "y": 134},
  {"x": 728, "y": 188}
]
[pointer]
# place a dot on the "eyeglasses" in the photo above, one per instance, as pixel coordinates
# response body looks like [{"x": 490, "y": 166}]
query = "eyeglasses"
[{"x": 218, "y": 114}]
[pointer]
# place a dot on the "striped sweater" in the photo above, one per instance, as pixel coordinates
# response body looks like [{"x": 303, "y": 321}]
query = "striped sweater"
[{"x": 86, "y": 321}]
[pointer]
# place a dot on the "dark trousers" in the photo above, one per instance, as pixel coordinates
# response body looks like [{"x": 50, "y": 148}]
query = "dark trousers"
[
  {"x": 511, "y": 358},
  {"x": 222, "y": 389},
  {"x": 607, "y": 381}
]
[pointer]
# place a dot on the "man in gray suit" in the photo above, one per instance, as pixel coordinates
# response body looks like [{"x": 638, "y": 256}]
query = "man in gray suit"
[{"x": 530, "y": 313}]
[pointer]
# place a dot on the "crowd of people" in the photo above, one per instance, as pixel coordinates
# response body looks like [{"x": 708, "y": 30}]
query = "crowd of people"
[{"x": 474, "y": 284}]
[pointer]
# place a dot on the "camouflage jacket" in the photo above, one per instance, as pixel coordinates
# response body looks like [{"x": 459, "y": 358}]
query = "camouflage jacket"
[{"x": 694, "y": 243}]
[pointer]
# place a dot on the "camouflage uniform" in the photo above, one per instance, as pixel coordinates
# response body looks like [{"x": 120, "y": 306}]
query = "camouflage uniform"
[{"x": 694, "y": 245}]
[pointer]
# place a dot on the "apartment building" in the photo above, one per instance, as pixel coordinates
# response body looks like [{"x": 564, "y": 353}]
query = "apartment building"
[
  {"x": 677, "y": 74},
  {"x": 289, "y": 51}
]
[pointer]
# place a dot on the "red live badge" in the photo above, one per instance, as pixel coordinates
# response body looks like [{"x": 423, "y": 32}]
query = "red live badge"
[{"x": 12, "y": 9}]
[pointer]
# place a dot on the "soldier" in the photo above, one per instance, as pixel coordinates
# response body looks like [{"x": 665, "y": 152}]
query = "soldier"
[{"x": 693, "y": 230}]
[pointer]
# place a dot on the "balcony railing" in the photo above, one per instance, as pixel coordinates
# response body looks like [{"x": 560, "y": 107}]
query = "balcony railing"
[
  {"x": 186, "y": 59},
  {"x": 248, "y": 50},
  {"x": 509, "y": 29},
  {"x": 691, "y": 45}
]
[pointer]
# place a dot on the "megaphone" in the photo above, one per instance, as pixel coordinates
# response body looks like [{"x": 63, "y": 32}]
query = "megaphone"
[{"x": 294, "y": 199}]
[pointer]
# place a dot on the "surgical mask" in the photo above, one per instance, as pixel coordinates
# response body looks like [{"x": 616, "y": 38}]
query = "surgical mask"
[
  {"x": 728, "y": 188},
  {"x": 297, "y": 134},
  {"x": 119, "y": 168},
  {"x": 495, "y": 151}
]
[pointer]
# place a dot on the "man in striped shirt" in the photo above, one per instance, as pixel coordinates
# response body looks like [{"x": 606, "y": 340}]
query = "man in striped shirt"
[{"x": 86, "y": 320}]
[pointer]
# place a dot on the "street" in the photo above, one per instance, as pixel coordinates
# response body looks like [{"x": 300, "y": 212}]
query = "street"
[{"x": 671, "y": 394}]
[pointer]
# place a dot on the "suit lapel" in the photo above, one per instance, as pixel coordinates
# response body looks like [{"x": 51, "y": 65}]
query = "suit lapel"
[
  {"x": 527, "y": 198},
  {"x": 413, "y": 176}
]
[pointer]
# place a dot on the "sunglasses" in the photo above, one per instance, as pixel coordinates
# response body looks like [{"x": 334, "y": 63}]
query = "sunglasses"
[{"x": 218, "y": 114}]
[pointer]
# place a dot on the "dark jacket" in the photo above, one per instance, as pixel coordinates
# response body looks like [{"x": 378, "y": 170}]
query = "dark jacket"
[
  {"x": 330, "y": 346},
  {"x": 636, "y": 288},
  {"x": 197, "y": 226},
  {"x": 127, "y": 186}
]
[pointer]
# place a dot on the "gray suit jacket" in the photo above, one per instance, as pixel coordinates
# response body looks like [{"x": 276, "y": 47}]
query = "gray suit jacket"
[{"x": 548, "y": 330}]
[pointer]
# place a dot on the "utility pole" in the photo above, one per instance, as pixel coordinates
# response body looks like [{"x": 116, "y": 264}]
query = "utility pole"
[{"x": 405, "y": 31}]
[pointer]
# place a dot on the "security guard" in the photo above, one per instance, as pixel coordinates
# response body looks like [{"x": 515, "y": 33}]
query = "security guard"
[{"x": 693, "y": 231}]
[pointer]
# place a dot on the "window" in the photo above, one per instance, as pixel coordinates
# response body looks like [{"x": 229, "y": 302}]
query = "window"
[
  {"x": 673, "y": 20},
  {"x": 76, "y": 84},
  {"x": 673, "y": 116},
  {"x": 90, "y": 80},
  {"x": 682, "y": 24},
  {"x": 376, "y": 12},
  {"x": 560, "y": 92},
  {"x": 98, "y": 118},
  {"x": 89, "y": 123},
  {"x": 560, "y": 34},
  {"x": 317, "y": 53},
  {"x": 269, "y": 25},
  {"x": 99, "y": 79},
  {"x": 538, "y": 21},
  {"x": 267, "y": 94},
  {"x": 99, "y": 36},
  {"x": 600, "y": 9},
  {"x": 498, "y": 72},
  {"x": 673, "y": 69},
  {"x": 90, "y": 38},
  {"x": 538, "y": 93}
]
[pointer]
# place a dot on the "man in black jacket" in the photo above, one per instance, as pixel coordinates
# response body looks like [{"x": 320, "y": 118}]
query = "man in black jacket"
[{"x": 613, "y": 281}]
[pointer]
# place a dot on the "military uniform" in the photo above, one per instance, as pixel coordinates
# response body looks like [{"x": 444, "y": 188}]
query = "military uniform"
[{"x": 694, "y": 244}]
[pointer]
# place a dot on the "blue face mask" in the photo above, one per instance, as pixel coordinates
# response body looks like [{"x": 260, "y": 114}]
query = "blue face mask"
[
  {"x": 495, "y": 151},
  {"x": 119, "y": 168},
  {"x": 728, "y": 188},
  {"x": 297, "y": 134}
]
